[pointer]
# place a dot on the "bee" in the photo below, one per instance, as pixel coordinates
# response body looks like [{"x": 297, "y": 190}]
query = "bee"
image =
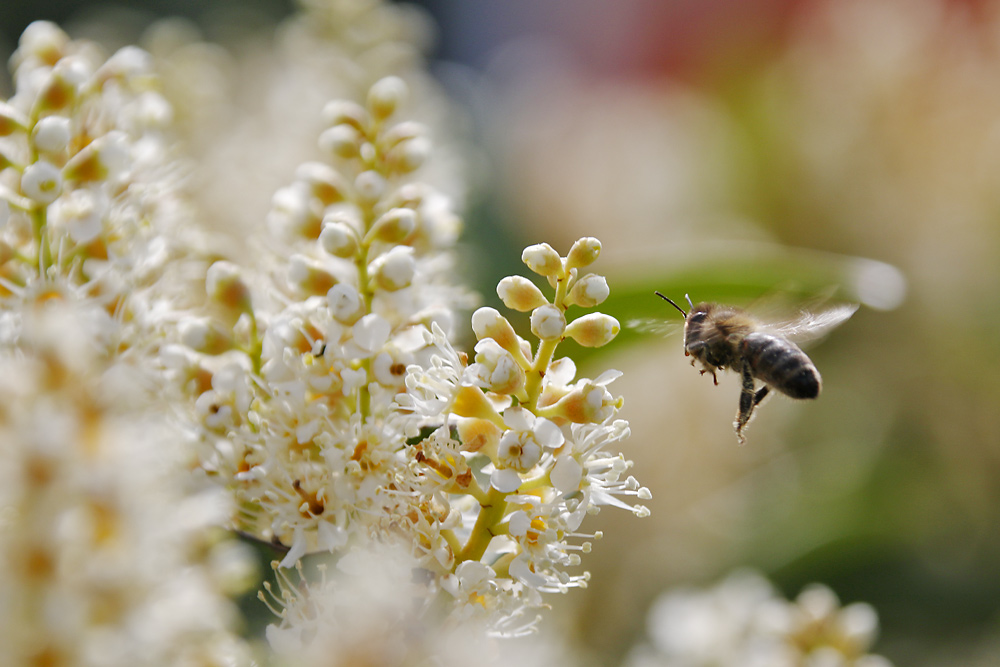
[{"x": 719, "y": 337}]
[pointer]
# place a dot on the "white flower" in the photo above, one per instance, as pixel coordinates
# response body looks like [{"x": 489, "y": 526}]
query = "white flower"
[
  {"x": 495, "y": 369},
  {"x": 42, "y": 182},
  {"x": 521, "y": 446},
  {"x": 52, "y": 134},
  {"x": 82, "y": 212}
]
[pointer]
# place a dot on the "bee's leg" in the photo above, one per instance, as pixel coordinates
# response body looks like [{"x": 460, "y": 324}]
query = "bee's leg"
[
  {"x": 747, "y": 402},
  {"x": 760, "y": 395}
]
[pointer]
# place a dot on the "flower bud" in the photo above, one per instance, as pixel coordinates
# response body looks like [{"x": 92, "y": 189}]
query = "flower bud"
[
  {"x": 308, "y": 277},
  {"x": 323, "y": 182},
  {"x": 543, "y": 260},
  {"x": 224, "y": 285},
  {"x": 409, "y": 155},
  {"x": 478, "y": 435},
  {"x": 593, "y": 330},
  {"x": 496, "y": 369},
  {"x": 548, "y": 322},
  {"x": 52, "y": 134},
  {"x": 385, "y": 96},
  {"x": 520, "y": 294},
  {"x": 127, "y": 63},
  {"x": 41, "y": 182},
  {"x": 101, "y": 160},
  {"x": 588, "y": 291},
  {"x": 11, "y": 120},
  {"x": 401, "y": 132},
  {"x": 81, "y": 212},
  {"x": 472, "y": 402},
  {"x": 341, "y": 140},
  {"x": 62, "y": 87},
  {"x": 338, "y": 238},
  {"x": 395, "y": 269},
  {"x": 44, "y": 40},
  {"x": 369, "y": 186},
  {"x": 342, "y": 112},
  {"x": 293, "y": 212},
  {"x": 587, "y": 403},
  {"x": 203, "y": 335},
  {"x": 345, "y": 303},
  {"x": 583, "y": 253},
  {"x": 393, "y": 226},
  {"x": 489, "y": 323}
]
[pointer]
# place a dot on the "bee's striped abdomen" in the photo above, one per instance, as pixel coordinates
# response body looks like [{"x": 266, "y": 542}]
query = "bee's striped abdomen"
[{"x": 782, "y": 365}]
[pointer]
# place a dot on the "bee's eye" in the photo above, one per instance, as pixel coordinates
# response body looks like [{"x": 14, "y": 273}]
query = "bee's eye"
[{"x": 697, "y": 317}]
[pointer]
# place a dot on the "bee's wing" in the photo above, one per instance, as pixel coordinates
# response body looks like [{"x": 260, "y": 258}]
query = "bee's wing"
[
  {"x": 811, "y": 326},
  {"x": 652, "y": 325}
]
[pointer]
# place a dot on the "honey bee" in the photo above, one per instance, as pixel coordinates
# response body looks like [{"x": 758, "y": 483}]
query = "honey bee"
[{"x": 722, "y": 337}]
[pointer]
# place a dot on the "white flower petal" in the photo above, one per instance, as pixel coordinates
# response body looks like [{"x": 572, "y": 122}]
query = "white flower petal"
[
  {"x": 566, "y": 474},
  {"x": 519, "y": 523},
  {"x": 518, "y": 419},
  {"x": 371, "y": 332},
  {"x": 505, "y": 481},
  {"x": 547, "y": 434}
]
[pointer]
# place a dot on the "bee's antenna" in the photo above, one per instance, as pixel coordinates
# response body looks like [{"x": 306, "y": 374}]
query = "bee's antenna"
[
  {"x": 671, "y": 302},
  {"x": 688, "y": 297}
]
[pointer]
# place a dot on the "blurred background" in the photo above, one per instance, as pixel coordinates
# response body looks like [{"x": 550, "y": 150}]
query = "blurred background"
[{"x": 740, "y": 151}]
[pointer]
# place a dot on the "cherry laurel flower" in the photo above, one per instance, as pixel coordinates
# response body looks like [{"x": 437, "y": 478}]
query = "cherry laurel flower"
[{"x": 306, "y": 393}]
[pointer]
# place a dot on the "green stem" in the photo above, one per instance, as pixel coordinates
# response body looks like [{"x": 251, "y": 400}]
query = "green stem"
[
  {"x": 39, "y": 220},
  {"x": 490, "y": 514},
  {"x": 546, "y": 350},
  {"x": 450, "y": 537}
]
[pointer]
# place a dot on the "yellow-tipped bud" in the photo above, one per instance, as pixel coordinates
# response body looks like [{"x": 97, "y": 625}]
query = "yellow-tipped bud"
[
  {"x": 583, "y": 253},
  {"x": 309, "y": 278},
  {"x": 323, "y": 182},
  {"x": 224, "y": 285},
  {"x": 342, "y": 112},
  {"x": 489, "y": 323},
  {"x": 385, "y": 96},
  {"x": 342, "y": 140},
  {"x": 409, "y": 155},
  {"x": 393, "y": 226},
  {"x": 11, "y": 120},
  {"x": 395, "y": 269},
  {"x": 587, "y": 403},
  {"x": 593, "y": 330},
  {"x": 101, "y": 160},
  {"x": 543, "y": 260},
  {"x": 520, "y": 294},
  {"x": 588, "y": 291},
  {"x": 338, "y": 238}
]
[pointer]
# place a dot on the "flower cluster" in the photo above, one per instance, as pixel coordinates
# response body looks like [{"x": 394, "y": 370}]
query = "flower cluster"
[
  {"x": 108, "y": 555},
  {"x": 521, "y": 449},
  {"x": 328, "y": 398},
  {"x": 111, "y": 554},
  {"x": 89, "y": 195},
  {"x": 743, "y": 621}
]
